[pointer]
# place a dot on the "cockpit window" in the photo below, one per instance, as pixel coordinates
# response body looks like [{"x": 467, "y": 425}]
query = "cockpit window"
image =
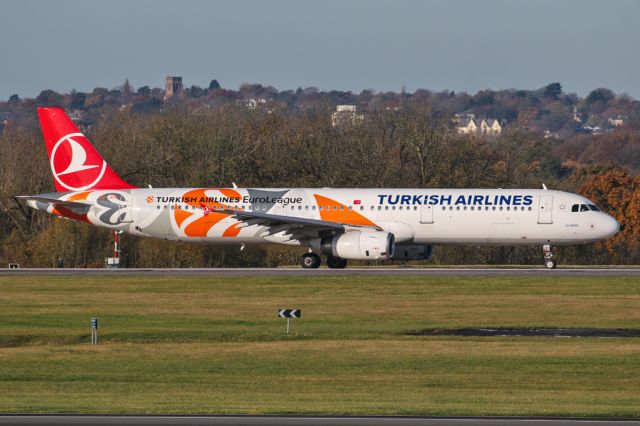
[{"x": 584, "y": 208}]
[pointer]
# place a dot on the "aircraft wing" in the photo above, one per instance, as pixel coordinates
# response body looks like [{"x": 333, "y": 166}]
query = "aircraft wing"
[
  {"x": 267, "y": 219},
  {"x": 55, "y": 202}
]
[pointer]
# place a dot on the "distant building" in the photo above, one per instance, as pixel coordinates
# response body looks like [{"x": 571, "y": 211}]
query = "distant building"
[
  {"x": 576, "y": 116},
  {"x": 75, "y": 115},
  {"x": 253, "y": 103},
  {"x": 173, "y": 87},
  {"x": 594, "y": 130},
  {"x": 346, "y": 114},
  {"x": 616, "y": 121},
  {"x": 468, "y": 124}
]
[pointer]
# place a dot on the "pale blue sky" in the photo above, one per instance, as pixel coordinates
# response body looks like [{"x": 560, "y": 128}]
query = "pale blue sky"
[{"x": 337, "y": 44}]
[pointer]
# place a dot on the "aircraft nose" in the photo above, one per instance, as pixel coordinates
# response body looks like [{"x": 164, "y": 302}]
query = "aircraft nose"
[{"x": 611, "y": 227}]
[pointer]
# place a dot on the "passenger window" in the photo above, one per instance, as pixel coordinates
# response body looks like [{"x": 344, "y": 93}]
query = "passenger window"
[
  {"x": 575, "y": 208},
  {"x": 319, "y": 207},
  {"x": 341, "y": 208},
  {"x": 361, "y": 208},
  {"x": 415, "y": 207},
  {"x": 158, "y": 207},
  {"x": 313, "y": 207}
]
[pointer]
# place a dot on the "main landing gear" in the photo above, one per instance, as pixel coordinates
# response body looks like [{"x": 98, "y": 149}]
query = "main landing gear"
[
  {"x": 549, "y": 261},
  {"x": 313, "y": 261},
  {"x": 336, "y": 262},
  {"x": 310, "y": 261}
]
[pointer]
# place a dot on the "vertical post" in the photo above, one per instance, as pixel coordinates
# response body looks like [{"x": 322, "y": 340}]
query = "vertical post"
[
  {"x": 94, "y": 331},
  {"x": 116, "y": 249},
  {"x": 288, "y": 324}
]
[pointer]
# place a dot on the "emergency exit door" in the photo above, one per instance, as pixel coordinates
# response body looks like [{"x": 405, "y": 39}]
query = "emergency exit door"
[
  {"x": 545, "y": 209},
  {"x": 426, "y": 214}
]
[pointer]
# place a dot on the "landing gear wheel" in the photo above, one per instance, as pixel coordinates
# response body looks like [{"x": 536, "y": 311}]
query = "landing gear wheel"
[
  {"x": 549, "y": 262},
  {"x": 336, "y": 262},
  {"x": 310, "y": 261}
]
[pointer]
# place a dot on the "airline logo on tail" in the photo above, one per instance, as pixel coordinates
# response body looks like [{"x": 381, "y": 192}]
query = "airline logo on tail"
[
  {"x": 75, "y": 164},
  {"x": 73, "y": 160}
]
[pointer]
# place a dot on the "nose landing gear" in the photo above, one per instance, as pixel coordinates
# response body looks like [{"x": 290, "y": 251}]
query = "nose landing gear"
[{"x": 549, "y": 261}]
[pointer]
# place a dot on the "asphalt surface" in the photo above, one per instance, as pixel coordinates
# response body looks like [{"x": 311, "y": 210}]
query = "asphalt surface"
[
  {"x": 530, "y": 332},
  {"x": 299, "y": 272},
  {"x": 301, "y": 420}
]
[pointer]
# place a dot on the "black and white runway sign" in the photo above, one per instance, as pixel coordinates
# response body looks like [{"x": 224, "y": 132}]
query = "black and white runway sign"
[{"x": 289, "y": 313}]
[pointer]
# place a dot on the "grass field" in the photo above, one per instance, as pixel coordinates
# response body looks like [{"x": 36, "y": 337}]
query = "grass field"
[{"x": 215, "y": 345}]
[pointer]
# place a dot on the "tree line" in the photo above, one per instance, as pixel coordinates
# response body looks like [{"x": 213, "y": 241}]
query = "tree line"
[{"x": 414, "y": 145}]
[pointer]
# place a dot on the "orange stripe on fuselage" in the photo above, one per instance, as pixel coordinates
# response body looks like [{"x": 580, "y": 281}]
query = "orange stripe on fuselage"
[
  {"x": 232, "y": 231},
  {"x": 232, "y": 193},
  {"x": 181, "y": 215},
  {"x": 201, "y": 226},
  {"x": 333, "y": 211}
]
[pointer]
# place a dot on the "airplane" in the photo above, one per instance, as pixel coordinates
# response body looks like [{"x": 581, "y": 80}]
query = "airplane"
[{"x": 339, "y": 223}]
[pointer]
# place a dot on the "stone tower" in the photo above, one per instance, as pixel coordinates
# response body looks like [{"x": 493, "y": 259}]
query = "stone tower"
[{"x": 173, "y": 87}]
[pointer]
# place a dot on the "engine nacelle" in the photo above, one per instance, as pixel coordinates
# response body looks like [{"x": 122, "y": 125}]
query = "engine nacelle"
[
  {"x": 360, "y": 245},
  {"x": 413, "y": 252}
]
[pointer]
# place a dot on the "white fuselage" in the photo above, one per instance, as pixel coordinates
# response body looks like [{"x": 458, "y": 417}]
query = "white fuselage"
[{"x": 413, "y": 216}]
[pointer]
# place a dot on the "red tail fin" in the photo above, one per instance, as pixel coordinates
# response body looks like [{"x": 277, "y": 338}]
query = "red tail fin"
[{"x": 75, "y": 164}]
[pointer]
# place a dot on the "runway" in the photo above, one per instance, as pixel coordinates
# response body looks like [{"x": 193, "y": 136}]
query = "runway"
[
  {"x": 354, "y": 271},
  {"x": 299, "y": 420}
]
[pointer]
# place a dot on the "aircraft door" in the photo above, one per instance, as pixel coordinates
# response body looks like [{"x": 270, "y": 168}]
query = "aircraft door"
[
  {"x": 426, "y": 213},
  {"x": 545, "y": 209}
]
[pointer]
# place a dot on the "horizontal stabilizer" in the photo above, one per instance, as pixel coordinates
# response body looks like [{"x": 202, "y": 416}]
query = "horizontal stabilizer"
[{"x": 56, "y": 202}]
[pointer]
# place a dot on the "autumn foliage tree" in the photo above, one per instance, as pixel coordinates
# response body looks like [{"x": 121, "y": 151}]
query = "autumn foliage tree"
[{"x": 618, "y": 193}]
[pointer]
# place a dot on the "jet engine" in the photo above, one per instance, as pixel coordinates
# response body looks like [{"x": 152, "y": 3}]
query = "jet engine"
[{"x": 360, "y": 245}]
